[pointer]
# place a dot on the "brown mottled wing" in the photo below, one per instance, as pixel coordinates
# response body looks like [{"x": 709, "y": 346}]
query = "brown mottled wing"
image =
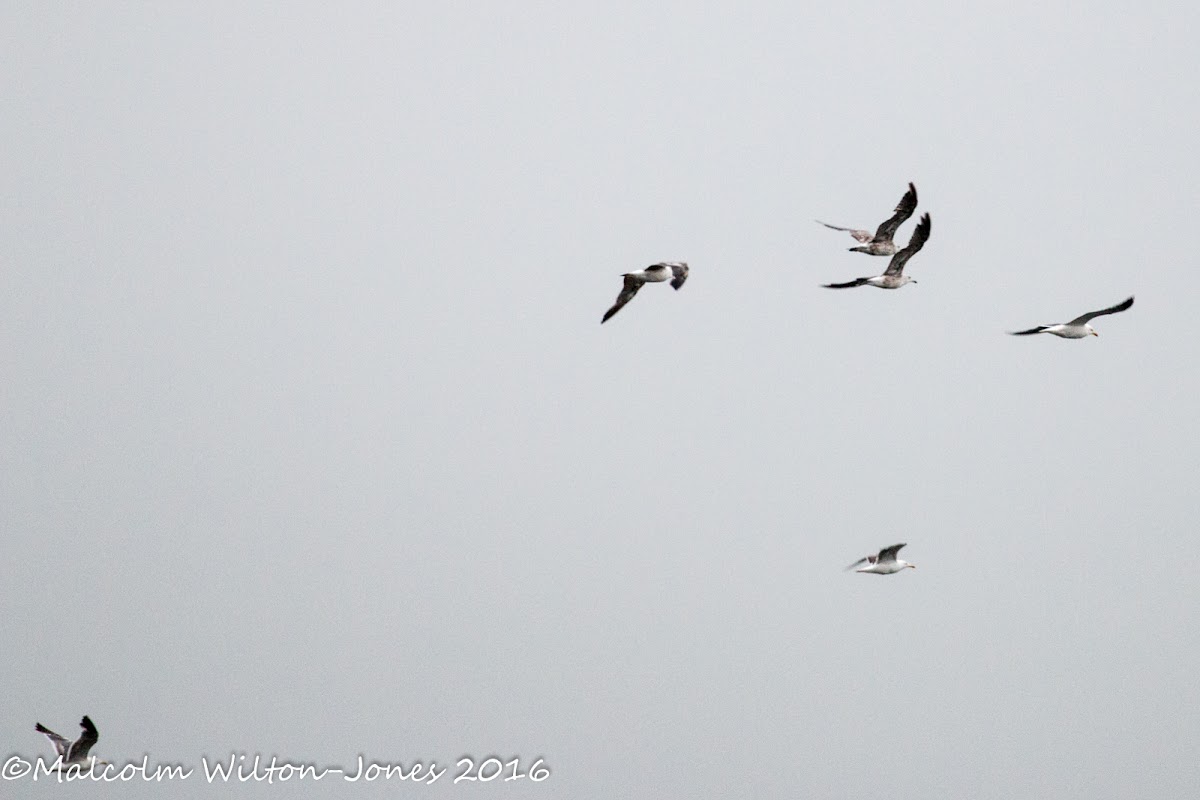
[
  {"x": 919, "y": 237},
  {"x": 904, "y": 210},
  {"x": 83, "y": 744},
  {"x": 1084, "y": 318},
  {"x": 679, "y": 270},
  {"x": 862, "y": 236},
  {"x": 632, "y": 284}
]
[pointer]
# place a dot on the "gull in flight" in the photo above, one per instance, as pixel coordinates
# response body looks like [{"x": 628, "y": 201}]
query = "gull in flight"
[
  {"x": 880, "y": 243},
  {"x": 883, "y": 563},
  {"x": 893, "y": 277},
  {"x": 677, "y": 271},
  {"x": 75, "y": 752},
  {"x": 1077, "y": 328}
]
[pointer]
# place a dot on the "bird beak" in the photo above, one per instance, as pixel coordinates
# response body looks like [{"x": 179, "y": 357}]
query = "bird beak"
[
  {"x": 1095, "y": 334},
  {"x": 914, "y": 566}
]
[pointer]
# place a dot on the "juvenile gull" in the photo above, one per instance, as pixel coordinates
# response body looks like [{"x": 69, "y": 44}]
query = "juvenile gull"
[
  {"x": 893, "y": 277},
  {"x": 881, "y": 244},
  {"x": 677, "y": 271},
  {"x": 883, "y": 563},
  {"x": 75, "y": 752},
  {"x": 1077, "y": 328}
]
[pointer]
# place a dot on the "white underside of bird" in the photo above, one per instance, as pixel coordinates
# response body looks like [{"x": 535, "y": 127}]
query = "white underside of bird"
[{"x": 887, "y": 568}]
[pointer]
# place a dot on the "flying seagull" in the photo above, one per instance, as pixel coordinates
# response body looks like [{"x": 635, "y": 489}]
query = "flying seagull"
[
  {"x": 75, "y": 752},
  {"x": 883, "y": 563},
  {"x": 677, "y": 271},
  {"x": 893, "y": 277},
  {"x": 1077, "y": 328},
  {"x": 880, "y": 243}
]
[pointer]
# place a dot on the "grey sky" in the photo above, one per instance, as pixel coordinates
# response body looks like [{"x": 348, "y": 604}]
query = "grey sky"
[{"x": 314, "y": 446}]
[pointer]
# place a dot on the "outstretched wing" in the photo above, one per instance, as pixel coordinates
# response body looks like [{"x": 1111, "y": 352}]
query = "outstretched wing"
[
  {"x": 919, "y": 237},
  {"x": 1029, "y": 332},
  {"x": 862, "y": 236},
  {"x": 904, "y": 210},
  {"x": 856, "y": 563},
  {"x": 889, "y": 553},
  {"x": 632, "y": 284},
  {"x": 680, "y": 270},
  {"x": 847, "y": 284},
  {"x": 79, "y": 750},
  {"x": 60, "y": 744},
  {"x": 1084, "y": 318}
]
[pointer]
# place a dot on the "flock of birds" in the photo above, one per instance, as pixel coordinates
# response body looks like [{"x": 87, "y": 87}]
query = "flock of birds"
[{"x": 880, "y": 243}]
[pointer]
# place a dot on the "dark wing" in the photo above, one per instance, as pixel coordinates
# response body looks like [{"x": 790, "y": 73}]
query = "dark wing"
[
  {"x": 856, "y": 563},
  {"x": 1083, "y": 318},
  {"x": 889, "y": 553},
  {"x": 60, "y": 744},
  {"x": 632, "y": 284},
  {"x": 919, "y": 237},
  {"x": 83, "y": 744},
  {"x": 904, "y": 210},
  {"x": 680, "y": 270},
  {"x": 847, "y": 285},
  {"x": 862, "y": 236},
  {"x": 1038, "y": 329}
]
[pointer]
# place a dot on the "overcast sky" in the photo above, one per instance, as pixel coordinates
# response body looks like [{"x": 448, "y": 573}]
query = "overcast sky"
[{"x": 313, "y": 445}]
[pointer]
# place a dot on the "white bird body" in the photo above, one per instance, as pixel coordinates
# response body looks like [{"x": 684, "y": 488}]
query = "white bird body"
[
  {"x": 886, "y": 568},
  {"x": 883, "y": 563},
  {"x": 1071, "y": 331},
  {"x": 888, "y": 281},
  {"x": 655, "y": 274}
]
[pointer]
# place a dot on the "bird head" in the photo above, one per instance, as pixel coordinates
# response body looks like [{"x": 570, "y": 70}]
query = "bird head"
[{"x": 1092, "y": 331}]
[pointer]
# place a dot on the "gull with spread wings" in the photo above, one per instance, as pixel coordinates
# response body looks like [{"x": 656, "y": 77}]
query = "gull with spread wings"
[
  {"x": 75, "y": 752},
  {"x": 676, "y": 271},
  {"x": 883, "y": 563},
  {"x": 880, "y": 243},
  {"x": 1077, "y": 328}
]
